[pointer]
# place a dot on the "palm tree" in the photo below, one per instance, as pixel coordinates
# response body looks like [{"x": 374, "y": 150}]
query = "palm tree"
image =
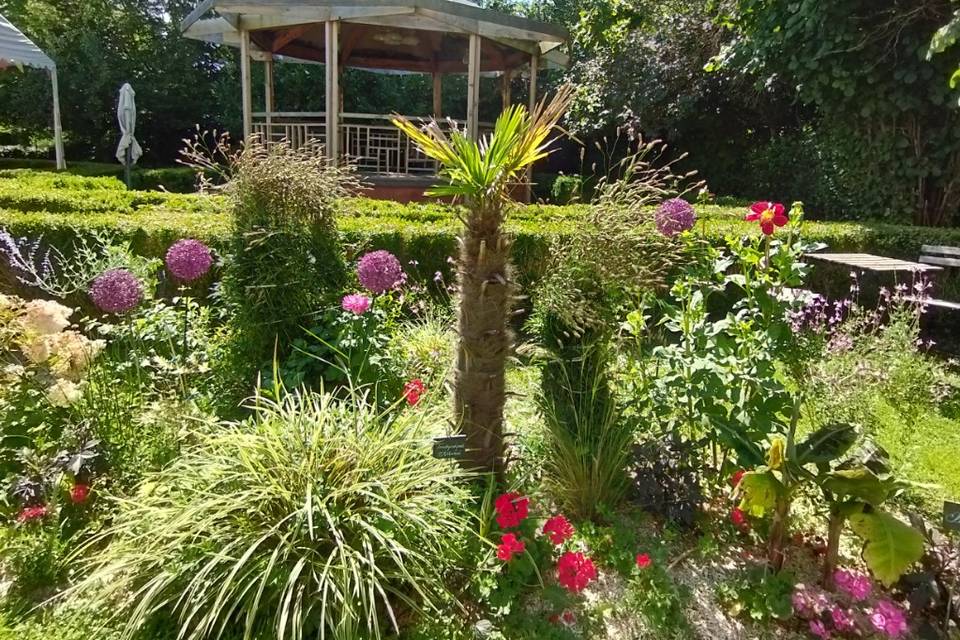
[{"x": 483, "y": 174}]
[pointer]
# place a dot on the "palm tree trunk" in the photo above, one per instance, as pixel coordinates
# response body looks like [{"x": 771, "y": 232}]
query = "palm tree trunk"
[{"x": 486, "y": 294}]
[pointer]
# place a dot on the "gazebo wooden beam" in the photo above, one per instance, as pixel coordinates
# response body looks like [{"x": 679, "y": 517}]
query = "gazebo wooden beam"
[
  {"x": 283, "y": 38},
  {"x": 451, "y": 9}
]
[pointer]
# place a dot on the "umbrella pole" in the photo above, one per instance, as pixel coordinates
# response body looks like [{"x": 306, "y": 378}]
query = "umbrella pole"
[{"x": 127, "y": 163}]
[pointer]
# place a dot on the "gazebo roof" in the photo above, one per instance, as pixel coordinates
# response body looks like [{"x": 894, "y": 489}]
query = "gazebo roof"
[{"x": 421, "y": 36}]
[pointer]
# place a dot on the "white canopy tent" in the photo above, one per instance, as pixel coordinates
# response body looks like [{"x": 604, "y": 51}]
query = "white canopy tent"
[{"x": 19, "y": 51}]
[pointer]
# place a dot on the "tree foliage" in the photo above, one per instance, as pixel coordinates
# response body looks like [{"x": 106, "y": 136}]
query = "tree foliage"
[{"x": 886, "y": 111}]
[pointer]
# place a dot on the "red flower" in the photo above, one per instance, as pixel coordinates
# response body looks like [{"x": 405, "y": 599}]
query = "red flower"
[
  {"x": 30, "y": 514},
  {"x": 79, "y": 493},
  {"x": 737, "y": 477},
  {"x": 413, "y": 390},
  {"x": 509, "y": 545},
  {"x": 643, "y": 560},
  {"x": 575, "y": 571},
  {"x": 511, "y": 510},
  {"x": 739, "y": 518},
  {"x": 558, "y": 529},
  {"x": 769, "y": 215},
  {"x": 568, "y": 617}
]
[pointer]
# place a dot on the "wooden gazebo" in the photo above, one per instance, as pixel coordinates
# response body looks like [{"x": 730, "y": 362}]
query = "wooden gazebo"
[{"x": 433, "y": 37}]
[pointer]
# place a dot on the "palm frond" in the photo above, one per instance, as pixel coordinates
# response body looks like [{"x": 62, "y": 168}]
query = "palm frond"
[{"x": 486, "y": 167}]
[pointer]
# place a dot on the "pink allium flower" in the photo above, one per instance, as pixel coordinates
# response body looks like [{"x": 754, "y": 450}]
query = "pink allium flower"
[
  {"x": 674, "y": 216},
  {"x": 355, "y": 303},
  {"x": 116, "y": 291},
  {"x": 380, "y": 271},
  {"x": 188, "y": 260},
  {"x": 769, "y": 214},
  {"x": 558, "y": 529}
]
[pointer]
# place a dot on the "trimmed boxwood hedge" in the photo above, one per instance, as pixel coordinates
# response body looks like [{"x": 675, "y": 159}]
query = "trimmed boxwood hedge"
[{"x": 55, "y": 205}]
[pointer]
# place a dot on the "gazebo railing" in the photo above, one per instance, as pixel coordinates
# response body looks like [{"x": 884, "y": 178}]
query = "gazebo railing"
[{"x": 368, "y": 141}]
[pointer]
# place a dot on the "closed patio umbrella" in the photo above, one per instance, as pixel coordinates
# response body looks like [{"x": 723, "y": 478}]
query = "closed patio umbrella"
[{"x": 128, "y": 151}]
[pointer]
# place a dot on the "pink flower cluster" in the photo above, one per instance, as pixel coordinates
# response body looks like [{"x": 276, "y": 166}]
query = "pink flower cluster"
[
  {"x": 844, "y": 614},
  {"x": 856, "y": 585},
  {"x": 355, "y": 303}
]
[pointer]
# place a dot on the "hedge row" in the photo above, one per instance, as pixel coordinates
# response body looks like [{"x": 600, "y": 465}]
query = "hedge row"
[{"x": 57, "y": 205}]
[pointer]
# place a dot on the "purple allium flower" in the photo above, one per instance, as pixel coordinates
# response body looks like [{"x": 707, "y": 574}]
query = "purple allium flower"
[
  {"x": 188, "y": 260},
  {"x": 380, "y": 271},
  {"x": 355, "y": 303},
  {"x": 116, "y": 291},
  {"x": 674, "y": 216}
]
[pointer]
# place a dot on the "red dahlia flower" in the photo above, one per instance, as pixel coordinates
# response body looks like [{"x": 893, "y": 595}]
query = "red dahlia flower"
[
  {"x": 575, "y": 571},
  {"x": 558, "y": 529},
  {"x": 512, "y": 509},
  {"x": 736, "y": 477},
  {"x": 769, "y": 214},
  {"x": 643, "y": 560},
  {"x": 509, "y": 545},
  {"x": 413, "y": 390},
  {"x": 739, "y": 518},
  {"x": 79, "y": 493}
]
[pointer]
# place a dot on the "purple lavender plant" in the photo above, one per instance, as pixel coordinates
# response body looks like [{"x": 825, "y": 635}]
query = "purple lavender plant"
[
  {"x": 116, "y": 291},
  {"x": 188, "y": 260},
  {"x": 674, "y": 216},
  {"x": 380, "y": 271}
]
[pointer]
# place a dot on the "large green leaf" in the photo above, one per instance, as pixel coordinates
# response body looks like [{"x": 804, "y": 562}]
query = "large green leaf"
[
  {"x": 826, "y": 444},
  {"x": 759, "y": 491},
  {"x": 859, "y": 483},
  {"x": 891, "y": 546}
]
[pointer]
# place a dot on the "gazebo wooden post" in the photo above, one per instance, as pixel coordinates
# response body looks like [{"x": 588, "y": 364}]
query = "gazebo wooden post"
[
  {"x": 245, "y": 84},
  {"x": 332, "y": 65},
  {"x": 534, "y": 67},
  {"x": 268, "y": 103},
  {"x": 437, "y": 95},
  {"x": 473, "y": 88},
  {"x": 505, "y": 80},
  {"x": 57, "y": 127}
]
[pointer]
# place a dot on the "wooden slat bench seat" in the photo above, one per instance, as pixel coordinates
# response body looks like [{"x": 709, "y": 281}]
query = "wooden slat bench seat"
[{"x": 940, "y": 256}]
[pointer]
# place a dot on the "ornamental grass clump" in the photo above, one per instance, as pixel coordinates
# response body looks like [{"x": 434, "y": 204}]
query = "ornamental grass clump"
[{"x": 315, "y": 518}]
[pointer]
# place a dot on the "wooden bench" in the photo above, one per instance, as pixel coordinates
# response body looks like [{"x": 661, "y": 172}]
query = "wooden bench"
[{"x": 939, "y": 256}]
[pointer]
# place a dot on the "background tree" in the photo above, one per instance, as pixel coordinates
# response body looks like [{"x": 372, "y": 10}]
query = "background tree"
[{"x": 888, "y": 124}]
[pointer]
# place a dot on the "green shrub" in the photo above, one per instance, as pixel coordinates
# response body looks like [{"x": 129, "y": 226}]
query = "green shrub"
[
  {"x": 151, "y": 221},
  {"x": 566, "y": 189},
  {"x": 285, "y": 255},
  {"x": 314, "y": 516}
]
